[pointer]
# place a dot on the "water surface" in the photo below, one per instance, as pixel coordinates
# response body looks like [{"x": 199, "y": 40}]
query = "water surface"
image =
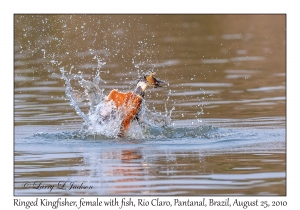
[{"x": 225, "y": 98}]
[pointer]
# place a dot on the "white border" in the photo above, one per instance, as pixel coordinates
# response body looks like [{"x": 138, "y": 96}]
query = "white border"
[{"x": 204, "y": 7}]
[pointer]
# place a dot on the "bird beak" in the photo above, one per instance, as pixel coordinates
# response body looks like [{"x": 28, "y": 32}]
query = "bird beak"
[{"x": 158, "y": 83}]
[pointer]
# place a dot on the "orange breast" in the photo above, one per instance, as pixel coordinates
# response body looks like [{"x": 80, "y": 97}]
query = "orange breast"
[{"x": 128, "y": 104}]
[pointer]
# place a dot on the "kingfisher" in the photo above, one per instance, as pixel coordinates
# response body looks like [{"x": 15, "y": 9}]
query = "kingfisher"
[{"x": 129, "y": 103}]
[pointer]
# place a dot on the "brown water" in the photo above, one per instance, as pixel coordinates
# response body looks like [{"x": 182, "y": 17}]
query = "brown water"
[{"x": 226, "y": 97}]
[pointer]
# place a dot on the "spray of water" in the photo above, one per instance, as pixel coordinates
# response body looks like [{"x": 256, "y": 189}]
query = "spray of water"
[{"x": 103, "y": 118}]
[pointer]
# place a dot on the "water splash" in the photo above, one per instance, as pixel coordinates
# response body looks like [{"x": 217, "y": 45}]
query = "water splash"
[
  {"x": 103, "y": 118},
  {"x": 74, "y": 96},
  {"x": 135, "y": 132}
]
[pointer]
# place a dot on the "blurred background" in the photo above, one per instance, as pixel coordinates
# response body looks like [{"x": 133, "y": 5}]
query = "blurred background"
[
  {"x": 226, "y": 96},
  {"x": 217, "y": 66}
]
